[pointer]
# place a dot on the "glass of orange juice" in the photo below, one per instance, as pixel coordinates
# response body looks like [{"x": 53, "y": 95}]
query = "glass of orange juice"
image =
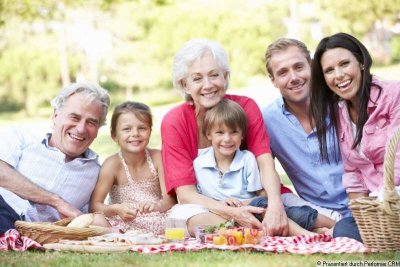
[{"x": 175, "y": 229}]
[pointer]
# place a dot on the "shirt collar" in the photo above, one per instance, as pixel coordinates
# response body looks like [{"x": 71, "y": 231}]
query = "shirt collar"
[
  {"x": 208, "y": 160},
  {"x": 87, "y": 155}
]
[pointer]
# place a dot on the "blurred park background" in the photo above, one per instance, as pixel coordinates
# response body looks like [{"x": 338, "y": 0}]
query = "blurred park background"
[{"x": 128, "y": 47}]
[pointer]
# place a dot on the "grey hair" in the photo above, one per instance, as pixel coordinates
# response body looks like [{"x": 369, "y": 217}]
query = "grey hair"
[
  {"x": 94, "y": 92},
  {"x": 194, "y": 50}
]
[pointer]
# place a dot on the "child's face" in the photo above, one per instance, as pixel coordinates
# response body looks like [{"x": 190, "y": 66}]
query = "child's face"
[
  {"x": 132, "y": 134},
  {"x": 225, "y": 140}
]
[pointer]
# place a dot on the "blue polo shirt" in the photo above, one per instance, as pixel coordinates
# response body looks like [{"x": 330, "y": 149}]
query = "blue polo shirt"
[
  {"x": 298, "y": 152},
  {"x": 240, "y": 182}
]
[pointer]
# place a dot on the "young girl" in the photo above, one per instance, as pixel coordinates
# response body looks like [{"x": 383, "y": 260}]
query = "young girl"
[
  {"x": 230, "y": 175},
  {"x": 133, "y": 177}
]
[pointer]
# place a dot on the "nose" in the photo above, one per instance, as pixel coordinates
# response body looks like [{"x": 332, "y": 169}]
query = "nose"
[
  {"x": 339, "y": 73},
  {"x": 206, "y": 82},
  {"x": 134, "y": 132},
  {"x": 293, "y": 76},
  {"x": 227, "y": 137},
  {"x": 81, "y": 126}
]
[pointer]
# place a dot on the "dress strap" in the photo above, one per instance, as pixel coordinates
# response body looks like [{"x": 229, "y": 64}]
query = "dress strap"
[
  {"x": 148, "y": 160},
  {"x": 128, "y": 174},
  {"x": 150, "y": 163}
]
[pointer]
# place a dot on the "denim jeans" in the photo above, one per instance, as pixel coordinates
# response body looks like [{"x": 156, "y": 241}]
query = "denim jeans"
[
  {"x": 7, "y": 216},
  {"x": 347, "y": 227},
  {"x": 304, "y": 216}
]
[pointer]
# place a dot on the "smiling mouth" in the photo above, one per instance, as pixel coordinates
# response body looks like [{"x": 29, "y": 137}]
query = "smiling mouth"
[
  {"x": 344, "y": 85},
  {"x": 76, "y": 137},
  {"x": 297, "y": 86},
  {"x": 209, "y": 95}
]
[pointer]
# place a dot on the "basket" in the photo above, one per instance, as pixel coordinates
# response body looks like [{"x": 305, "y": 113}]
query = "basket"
[
  {"x": 44, "y": 233},
  {"x": 379, "y": 222}
]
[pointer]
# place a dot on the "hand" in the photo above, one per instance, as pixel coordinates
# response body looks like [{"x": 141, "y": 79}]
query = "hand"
[
  {"x": 147, "y": 207},
  {"x": 275, "y": 222},
  {"x": 66, "y": 210},
  {"x": 244, "y": 216},
  {"x": 232, "y": 202},
  {"x": 126, "y": 211}
]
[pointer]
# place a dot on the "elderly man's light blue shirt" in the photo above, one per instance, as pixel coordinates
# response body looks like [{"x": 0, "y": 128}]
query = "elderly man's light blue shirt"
[
  {"x": 298, "y": 152},
  {"x": 240, "y": 182},
  {"x": 45, "y": 166}
]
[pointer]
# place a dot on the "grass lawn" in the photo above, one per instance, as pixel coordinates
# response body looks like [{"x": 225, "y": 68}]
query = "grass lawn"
[{"x": 203, "y": 258}]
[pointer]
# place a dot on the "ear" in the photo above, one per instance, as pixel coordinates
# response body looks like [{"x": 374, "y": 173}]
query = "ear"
[
  {"x": 208, "y": 136},
  {"x": 54, "y": 116},
  {"x": 273, "y": 80},
  {"x": 114, "y": 137}
]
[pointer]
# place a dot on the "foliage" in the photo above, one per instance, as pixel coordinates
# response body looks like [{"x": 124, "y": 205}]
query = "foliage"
[{"x": 128, "y": 46}]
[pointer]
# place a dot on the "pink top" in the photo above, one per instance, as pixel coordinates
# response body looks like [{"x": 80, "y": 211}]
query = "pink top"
[
  {"x": 139, "y": 189},
  {"x": 363, "y": 172},
  {"x": 179, "y": 134}
]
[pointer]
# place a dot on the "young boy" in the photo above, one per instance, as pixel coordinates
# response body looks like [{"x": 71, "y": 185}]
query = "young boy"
[{"x": 228, "y": 174}]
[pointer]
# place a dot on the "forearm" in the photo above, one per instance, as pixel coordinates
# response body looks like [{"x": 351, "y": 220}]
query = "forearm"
[
  {"x": 269, "y": 178},
  {"x": 188, "y": 195},
  {"x": 165, "y": 204},
  {"x": 107, "y": 210},
  {"x": 15, "y": 182}
]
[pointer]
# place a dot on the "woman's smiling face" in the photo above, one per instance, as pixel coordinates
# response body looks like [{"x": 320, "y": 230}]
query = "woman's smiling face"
[
  {"x": 342, "y": 72},
  {"x": 205, "y": 82}
]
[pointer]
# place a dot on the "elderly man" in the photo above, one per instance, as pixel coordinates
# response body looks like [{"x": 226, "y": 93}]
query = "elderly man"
[{"x": 44, "y": 180}]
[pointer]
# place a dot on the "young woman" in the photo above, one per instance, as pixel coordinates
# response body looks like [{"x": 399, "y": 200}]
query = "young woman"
[{"x": 365, "y": 113}]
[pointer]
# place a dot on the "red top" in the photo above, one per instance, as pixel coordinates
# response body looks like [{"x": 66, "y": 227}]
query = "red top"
[{"x": 179, "y": 136}]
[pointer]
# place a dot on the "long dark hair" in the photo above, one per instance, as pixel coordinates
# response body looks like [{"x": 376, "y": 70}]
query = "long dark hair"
[{"x": 324, "y": 101}]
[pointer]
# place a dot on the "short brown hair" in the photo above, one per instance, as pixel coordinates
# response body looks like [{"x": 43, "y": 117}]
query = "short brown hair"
[
  {"x": 281, "y": 45},
  {"x": 226, "y": 112},
  {"x": 140, "y": 110}
]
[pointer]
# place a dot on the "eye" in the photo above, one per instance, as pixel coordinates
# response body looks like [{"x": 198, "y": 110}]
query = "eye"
[
  {"x": 197, "y": 79},
  {"x": 281, "y": 73},
  {"x": 93, "y": 123},
  {"x": 75, "y": 118},
  {"x": 328, "y": 70},
  {"x": 299, "y": 67},
  {"x": 345, "y": 63}
]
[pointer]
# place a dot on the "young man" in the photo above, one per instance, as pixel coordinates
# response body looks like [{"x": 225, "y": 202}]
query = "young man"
[
  {"x": 50, "y": 178},
  {"x": 293, "y": 140}
]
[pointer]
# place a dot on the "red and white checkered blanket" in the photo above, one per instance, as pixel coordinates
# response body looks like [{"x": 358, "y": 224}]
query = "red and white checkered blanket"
[
  {"x": 295, "y": 244},
  {"x": 12, "y": 240}
]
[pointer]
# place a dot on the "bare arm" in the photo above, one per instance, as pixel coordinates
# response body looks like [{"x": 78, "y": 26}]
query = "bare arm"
[
  {"x": 354, "y": 195},
  {"x": 15, "y": 182},
  {"x": 275, "y": 221},
  {"x": 107, "y": 176},
  {"x": 242, "y": 215},
  {"x": 167, "y": 200}
]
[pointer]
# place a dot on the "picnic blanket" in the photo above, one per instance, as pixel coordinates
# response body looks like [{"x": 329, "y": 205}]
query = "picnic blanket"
[
  {"x": 12, "y": 240},
  {"x": 301, "y": 244}
]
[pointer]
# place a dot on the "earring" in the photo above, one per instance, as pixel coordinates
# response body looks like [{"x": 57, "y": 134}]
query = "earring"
[{"x": 362, "y": 67}]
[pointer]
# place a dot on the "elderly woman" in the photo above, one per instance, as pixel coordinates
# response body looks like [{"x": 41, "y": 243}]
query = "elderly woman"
[{"x": 201, "y": 71}]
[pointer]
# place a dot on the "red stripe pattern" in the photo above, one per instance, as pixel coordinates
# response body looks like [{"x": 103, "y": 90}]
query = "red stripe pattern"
[{"x": 12, "y": 240}]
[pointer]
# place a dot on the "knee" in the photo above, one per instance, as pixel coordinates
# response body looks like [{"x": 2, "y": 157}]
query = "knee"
[{"x": 347, "y": 227}]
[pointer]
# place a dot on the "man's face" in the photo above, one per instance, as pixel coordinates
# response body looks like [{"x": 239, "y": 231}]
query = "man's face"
[
  {"x": 75, "y": 125},
  {"x": 291, "y": 74}
]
